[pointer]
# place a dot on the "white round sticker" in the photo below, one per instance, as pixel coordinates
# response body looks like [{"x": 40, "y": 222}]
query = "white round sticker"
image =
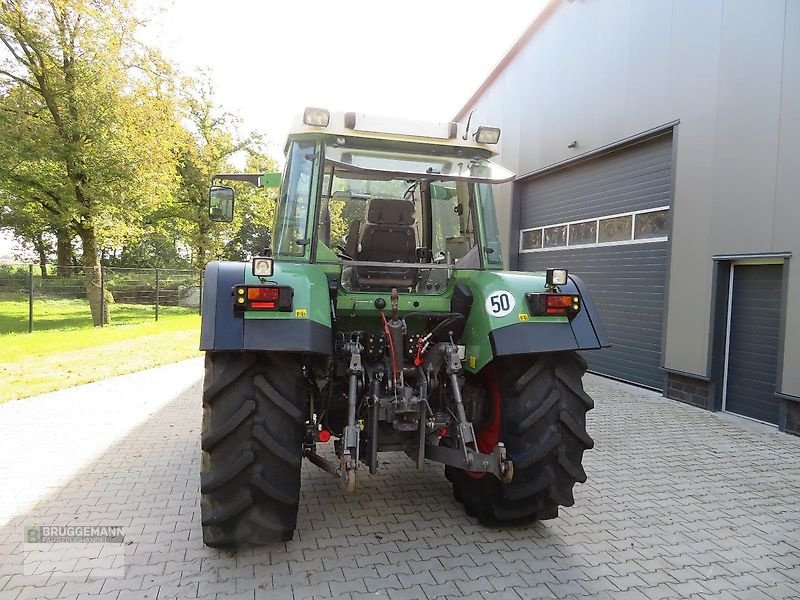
[{"x": 500, "y": 303}]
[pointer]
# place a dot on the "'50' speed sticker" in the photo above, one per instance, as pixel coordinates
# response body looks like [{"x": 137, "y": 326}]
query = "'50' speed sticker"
[{"x": 500, "y": 303}]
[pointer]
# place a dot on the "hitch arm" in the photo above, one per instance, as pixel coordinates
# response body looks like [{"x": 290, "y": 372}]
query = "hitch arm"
[{"x": 496, "y": 463}]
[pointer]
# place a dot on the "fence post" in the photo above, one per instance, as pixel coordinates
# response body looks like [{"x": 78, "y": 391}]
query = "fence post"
[
  {"x": 30, "y": 298},
  {"x": 158, "y": 286},
  {"x": 102, "y": 296}
]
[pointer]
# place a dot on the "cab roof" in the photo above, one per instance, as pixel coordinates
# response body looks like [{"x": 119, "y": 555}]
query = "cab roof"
[{"x": 366, "y": 127}]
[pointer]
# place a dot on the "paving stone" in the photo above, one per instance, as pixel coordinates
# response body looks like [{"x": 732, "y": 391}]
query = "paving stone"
[
  {"x": 83, "y": 587},
  {"x": 40, "y": 593},
  {"x": 503, "y": 582},
  {"x": 679, "y": 503},
  {"x": 442, "y": 590},
  {"x": 354, "y": 585},
  {"x": 508, "y": 594},
  {"x": 301, "y": 592},
  {"x": 100, "y": 596},
  {"x": 412, "y": 593},
  {"x": 248, "y": 595},
  {"x": 596, "y": 586},
  {"x": 147, "y": 594},
  {"x": 536, "y": 592},
  {"x": 481, "y": 584},
  {"x": 383, "y": 583},
  {"x": 423, "y": 578}
]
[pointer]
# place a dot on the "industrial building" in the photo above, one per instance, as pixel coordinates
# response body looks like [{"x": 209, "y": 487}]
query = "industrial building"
[{"x": 657, "y": 147}]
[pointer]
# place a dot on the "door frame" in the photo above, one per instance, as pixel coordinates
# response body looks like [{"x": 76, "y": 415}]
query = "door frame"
[
  {"x": 724, "y": 267},
  {"x": 727, "y": 355}
]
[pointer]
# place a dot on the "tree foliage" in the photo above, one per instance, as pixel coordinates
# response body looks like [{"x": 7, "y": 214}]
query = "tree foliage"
[
  {"x": 88, "y": 128},
  {"x": 102, "y": 142},
  {"x": 212, "y": 143}
]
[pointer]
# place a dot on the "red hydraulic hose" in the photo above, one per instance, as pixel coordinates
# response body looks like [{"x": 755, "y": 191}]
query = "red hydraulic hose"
[{"x": 391, "y": 345}]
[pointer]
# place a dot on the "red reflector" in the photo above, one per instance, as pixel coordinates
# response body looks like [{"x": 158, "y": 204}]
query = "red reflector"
[
  {"x": 323, "y": 435},
  {"x": 558, "y": 301},
  {"x": 268, "y": 305},
  {"x": 552, "y": 305},
  {"x": 263, "y": 294}
]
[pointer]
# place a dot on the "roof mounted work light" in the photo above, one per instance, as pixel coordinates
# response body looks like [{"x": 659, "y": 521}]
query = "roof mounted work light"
[
  {"x": 556, "y": 277},
  {"x": 262, "y": 266},
  {"x": 316, "y": 117},
  {"x": 487, "y": 135}
]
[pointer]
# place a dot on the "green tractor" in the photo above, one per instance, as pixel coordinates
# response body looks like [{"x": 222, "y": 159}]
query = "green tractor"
[{"x": 381, "y": 318}]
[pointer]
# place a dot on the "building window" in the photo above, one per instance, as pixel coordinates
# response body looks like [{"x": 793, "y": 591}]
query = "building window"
[
  {"x": 555, "y": 237},
  {"x": 616, "y": 229},
  {"x": 583, "y": 233},
  {"x": 650, "y": 225},
  {"x": 531, "y": 239},
  {"x": 642, "y": 226}
]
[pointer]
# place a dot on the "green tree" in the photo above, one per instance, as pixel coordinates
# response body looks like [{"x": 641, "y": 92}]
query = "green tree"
[
  {"x": 29, "y": 179},
  {"x": 251, "y": 230},
  {"x": 212, "y": 144},
  {"x": 158, "y": 247},
  {"x": 88, "y": 126},
  {"x": 28, "y": 225}
]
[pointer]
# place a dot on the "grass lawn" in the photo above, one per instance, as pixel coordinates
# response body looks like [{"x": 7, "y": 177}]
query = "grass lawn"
[
  {"x": 63, "y": 313},
  {"x": 44, "y": 361}
]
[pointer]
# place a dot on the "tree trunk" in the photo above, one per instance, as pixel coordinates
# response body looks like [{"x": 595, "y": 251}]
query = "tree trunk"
[
  {"x": 41, "y": 250},
  {"x": 200, "y": 258},
  {"x": 202, "y": 244},
  {"x": 64, "y": 252},
  {"x": 94, "y": 288}
]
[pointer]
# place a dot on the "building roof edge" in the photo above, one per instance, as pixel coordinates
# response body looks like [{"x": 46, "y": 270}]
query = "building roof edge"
[{"x": 540, "y": 19}]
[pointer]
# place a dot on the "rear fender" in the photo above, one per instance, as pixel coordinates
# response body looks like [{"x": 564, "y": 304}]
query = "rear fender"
[
  {"x": 487, "y": 336},
  {"x": 306, "y": 328}
]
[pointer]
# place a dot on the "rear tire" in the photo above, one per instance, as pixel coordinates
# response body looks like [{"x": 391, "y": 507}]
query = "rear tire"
[
  {"x": 544, "y": 429},
  {"x": 252, "y": 435}
]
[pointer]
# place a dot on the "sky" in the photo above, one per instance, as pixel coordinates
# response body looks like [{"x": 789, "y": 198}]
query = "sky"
[
  {"x": 414, "y": 59},
  {"x": 268, "y": 60}
]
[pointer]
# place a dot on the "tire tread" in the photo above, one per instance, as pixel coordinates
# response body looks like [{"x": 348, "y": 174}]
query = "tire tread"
[
  {"x": 251, "y": 441},
  {"x": 544, "y": 408},
  {"x": 209, "y": 439}
]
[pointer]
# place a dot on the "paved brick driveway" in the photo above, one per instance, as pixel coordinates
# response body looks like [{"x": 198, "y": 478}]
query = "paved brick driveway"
[{"x": 679, "y": 503}]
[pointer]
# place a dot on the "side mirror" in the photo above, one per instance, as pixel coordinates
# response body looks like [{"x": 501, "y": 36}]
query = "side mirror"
[{"x": 220, "y": 203}]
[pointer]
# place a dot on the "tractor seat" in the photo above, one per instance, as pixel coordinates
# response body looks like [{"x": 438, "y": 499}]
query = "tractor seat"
[{"x": 388, "y": 236}]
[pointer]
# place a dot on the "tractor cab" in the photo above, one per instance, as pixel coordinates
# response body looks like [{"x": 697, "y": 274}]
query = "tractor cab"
[{"x": 391, "y": 204}]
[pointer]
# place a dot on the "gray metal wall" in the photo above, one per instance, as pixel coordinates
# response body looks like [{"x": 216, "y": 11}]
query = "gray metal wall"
[
  {"x": 626, "y": 281},
  {"x": 600, "y": 71},
  {"x": 627, "y": 288},
  {"x": 630, "y": 179}
]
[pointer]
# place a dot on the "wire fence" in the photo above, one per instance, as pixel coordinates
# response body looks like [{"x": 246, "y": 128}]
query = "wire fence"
[{"x": 33, "y": 298}]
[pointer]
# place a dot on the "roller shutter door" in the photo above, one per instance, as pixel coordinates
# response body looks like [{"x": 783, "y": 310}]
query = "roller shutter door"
[
  {"x": 626, "y": 277},
  {"x": 752, "y": 358}
]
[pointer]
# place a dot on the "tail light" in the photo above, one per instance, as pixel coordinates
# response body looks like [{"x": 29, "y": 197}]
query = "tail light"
[
  {"x": 262, "y": 297},
  {"x": 551, "y": 305}
]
